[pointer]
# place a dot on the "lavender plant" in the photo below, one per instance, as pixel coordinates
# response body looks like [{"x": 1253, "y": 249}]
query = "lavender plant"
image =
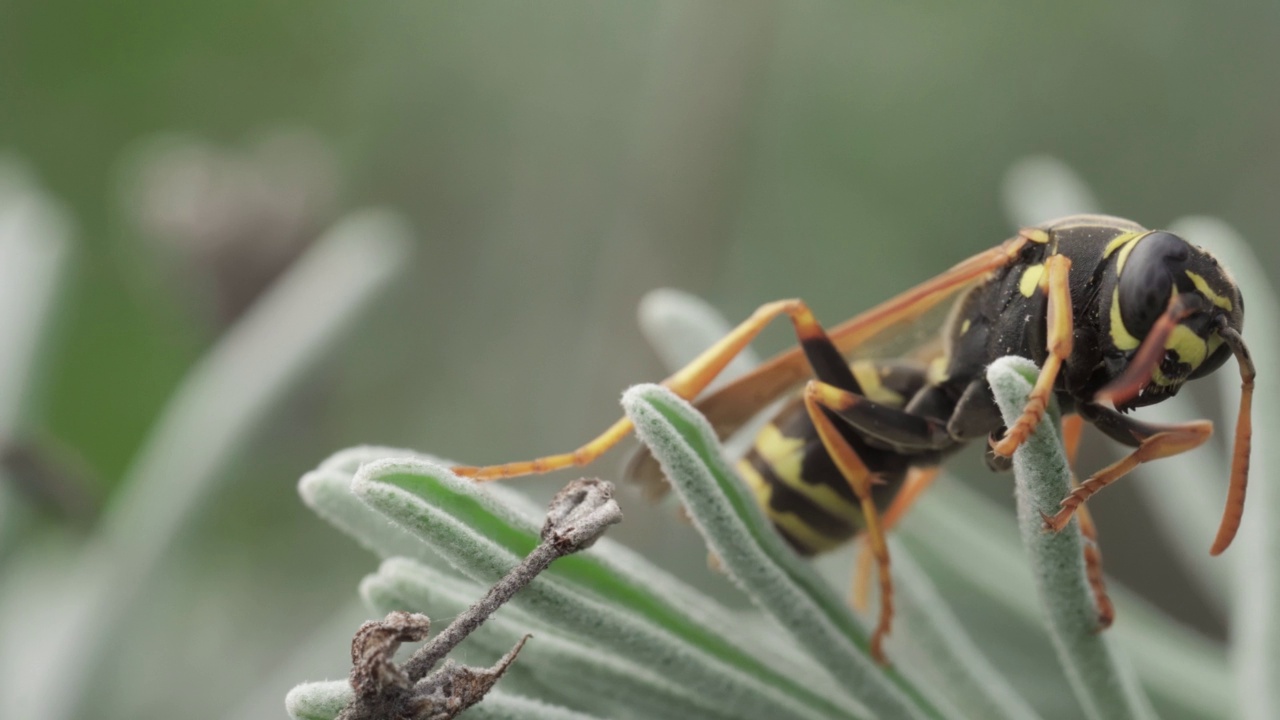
[{"x": 615, "y": 636}]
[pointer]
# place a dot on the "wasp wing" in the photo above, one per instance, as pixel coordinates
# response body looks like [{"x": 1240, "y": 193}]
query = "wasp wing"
[{"x": 869, "y": 333}]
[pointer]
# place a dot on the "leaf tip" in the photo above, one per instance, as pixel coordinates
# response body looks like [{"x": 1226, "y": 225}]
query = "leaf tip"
[{"x": 318, "y": 700}]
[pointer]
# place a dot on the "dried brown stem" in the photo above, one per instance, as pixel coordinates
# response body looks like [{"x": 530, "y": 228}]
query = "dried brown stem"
[{"x": 576, "y": 518}]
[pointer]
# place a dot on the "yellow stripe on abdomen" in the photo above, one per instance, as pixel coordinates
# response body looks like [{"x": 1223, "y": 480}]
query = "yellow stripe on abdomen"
[
  {"x": 809, "y": 539},
  {"x": 785, "y": 456}
]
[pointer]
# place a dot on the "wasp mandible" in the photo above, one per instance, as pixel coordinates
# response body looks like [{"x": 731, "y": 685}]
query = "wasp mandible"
[{"x": 1116, "y": 316}]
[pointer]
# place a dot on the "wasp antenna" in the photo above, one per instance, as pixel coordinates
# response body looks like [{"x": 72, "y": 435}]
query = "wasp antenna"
[
  {"x": 1150, "y": 353},
  {"x": 1244, "y": 440}
]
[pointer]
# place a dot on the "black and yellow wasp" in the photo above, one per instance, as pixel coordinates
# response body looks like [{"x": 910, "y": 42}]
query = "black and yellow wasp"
[{"x": 1116, "y": 316}]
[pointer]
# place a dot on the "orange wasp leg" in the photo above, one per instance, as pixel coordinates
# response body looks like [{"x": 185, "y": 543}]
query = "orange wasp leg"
[
  {"x": 786, "y": 369},
  {"x": 1138, "y": 374},
  {"x": 687, "y": 383},
  {"x": 1072, "y": 426},
  {"x": 1060, "y": 331},
  {"x": 1167, "y": 441},
  {"x": 860, "y": 479},
  {"x": 918, "y": 480}
]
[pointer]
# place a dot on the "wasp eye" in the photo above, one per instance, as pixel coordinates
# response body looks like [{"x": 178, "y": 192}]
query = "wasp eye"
[{"x": 1146, "y": 281}]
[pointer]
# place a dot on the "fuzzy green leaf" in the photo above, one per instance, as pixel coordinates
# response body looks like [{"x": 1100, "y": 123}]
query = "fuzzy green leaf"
[
  {"x": 1103, "y": 682},
  {"x": 35, "y": 253},
  {"x": 554, "y": 666},
  {"x": 499, "y": 705},
  {"x": 324, "y": 700},
  {"x": 621, "y": 608},
  {"x": 975, "y": 542},
  {"x": 327, "y": 491},
  {"x": 756, "y": 557},
  {"x": 318, "y": 700}
]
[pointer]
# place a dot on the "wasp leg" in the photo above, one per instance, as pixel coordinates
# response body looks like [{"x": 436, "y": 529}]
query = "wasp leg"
[
  {"x": 823, "y": 358},
  {"x": 687, "y": 383},
  {"x": 860, "y": 479},
  {"x": 918, "y": 480},
  {"x": 899, "y": 429},
  {"x": 892, "y": 384},
  {"x": 1153, "y": 442},
  {"x": 1093, "y": 569},
  {"x": 732, "y": 405},
  {"x": 1072, "y": 426},
  {"x": 1061, "y": 328}
]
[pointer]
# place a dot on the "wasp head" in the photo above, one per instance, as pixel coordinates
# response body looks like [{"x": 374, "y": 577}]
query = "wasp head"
[
  {"x": 1192, "y": 336},
  {"x": 1176, "y": 315}
]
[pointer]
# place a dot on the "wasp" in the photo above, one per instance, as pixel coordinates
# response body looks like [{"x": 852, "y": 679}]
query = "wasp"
[{"x": 1116, "y": 317}]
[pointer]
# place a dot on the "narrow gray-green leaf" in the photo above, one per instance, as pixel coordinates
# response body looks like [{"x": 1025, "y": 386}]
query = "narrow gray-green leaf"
[
  {"x": 403, "y": 584},
  {"x": 1103, "y": 682},
  {"x": 976, "y": 543},
  {"x": 318, "y": 700},
  {"x": 572, "y": 672},
  {"x": 324, "y": 700},
  {"x": 583, "y": 593},
  {"x": 499, "y": 705},
  {"x": 756, "y": 557},
  {"x": 327, "y": 491},
  {"x": 35, "y": 251}
]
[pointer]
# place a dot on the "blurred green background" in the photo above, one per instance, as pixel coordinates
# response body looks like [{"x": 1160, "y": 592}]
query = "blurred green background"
[{"x": 554, "y": 161}]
